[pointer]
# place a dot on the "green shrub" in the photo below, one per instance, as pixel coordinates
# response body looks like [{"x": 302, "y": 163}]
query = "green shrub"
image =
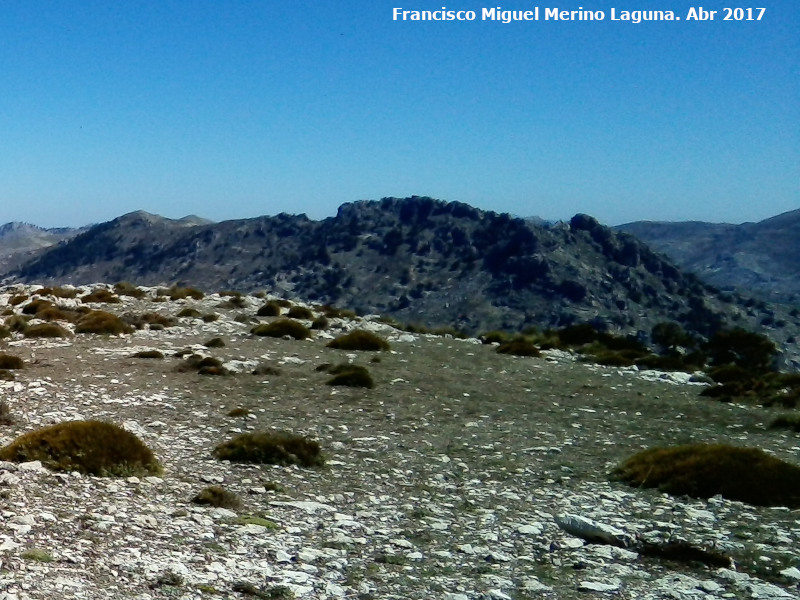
[
  {"x": 100, "y": 295},
  {"x": 300, "y": 312},
  {"x": 210, "y": 318},
  {"x": 102, "y": 322},
  {"x": 351, "y": 376},
  {"x": 281, "y": 328},
  {"x": 578, "y": 335},
  {"x": 270, "y": 309},
  {"x": 704, "y": 470},
  {"x": 91, "y": 447},
  {"x": 217, "y": 496},
  {"x": 519, "y": 346},
  {"x": 752, "y": 351},
  {"x": 8, "y": 361},
  {"x": 123, "y": 288},
  {"x": 216, "y": 342},
  {"x": 191, "y": 313},
  {"x": 359, "y": 340},
  {"x": 274, "y": 448},
  {"x": 148, "y": 354},
  {"x": 46, "y": 330}
]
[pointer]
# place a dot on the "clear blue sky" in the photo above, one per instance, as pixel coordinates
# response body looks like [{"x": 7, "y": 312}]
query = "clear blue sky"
[{"x": 231, "y": 109}]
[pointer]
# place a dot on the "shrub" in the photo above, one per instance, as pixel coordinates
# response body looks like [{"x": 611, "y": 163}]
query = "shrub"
[
  {"x": 494, "y": 337},
  {"x": 153, "y": 319},
  {"x": 300, "y": 312},
  {"x": 216, "y": 342},
  {"x": 238, "y": 412},
  {"x": 46, "y": 330},
  {"x": 351, "y": 376},
  {"x": 7, "y": 361},
  {"x": 274, "y": 448},
  {"x": 18, "y": 299},
  {"x": 123, "y": 288},
  {"x": 148, "y": 354},
  {"x": 519, "y": 347},
  {"x": 17, "y": 323},
  {"x": 34, "y": 306},
  {"x": 5, "y": 413},
  {"x": 320, "y": 322},
  {"x": 102, "y": 322},
  {"x": 786, "y": 422},
  {"x": 281, "y": 328},
  {"x": 6, "y": 375},
  {"x": 90, "y": 447},
  {"x": 4, "y": 332},
  {"x": 704, "y": 470},
  {"x": 270, "y": 309},
  {"x": 210, "y": 318},
  {"x": 56, "y": 313},
  {"x": 267, "y": 370},
  {"x": 359, "y": 340},
  {"x": 578, "y": 335},
  {"x": 191, "y": 313},
  {"x": 752, "y": 351},
  {"x": 181, "y": 293},
  {"x": 100, "y": 295},
  {"x": 217, "y": 496}
]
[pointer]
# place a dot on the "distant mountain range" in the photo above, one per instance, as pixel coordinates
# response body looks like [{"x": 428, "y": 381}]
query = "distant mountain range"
[
  {"x": 416, "y": 259},
  {"x": 758, "y": 258}
]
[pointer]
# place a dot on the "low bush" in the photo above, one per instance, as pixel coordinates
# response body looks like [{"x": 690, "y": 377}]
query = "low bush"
[
  {"x": 209, "y": 318},
  {"x": 102, "y": 322},
  {"x": 18, "y": 299},
  {"x": 359, "y": 340},
  {"x": 216, "y": 342},
  {"x": 494, "y": 337},
  {"x": 100, "y": 295},
  {"x": 34, "y": 306},
  {"x": 270, "y": 309},
  {"x": 46, "y": 330},
  {"x": 17, "y": 323},
  {"x": 57, "y": 313},
  {"x": 9, "y": 361},
  {"x": 148, "y": 354},
  {"x": 320, "y": 323},
  {"x": 704, "y": 470},
  {"x": 300, "y": 312},
  {"x": 181, "y": 293},
  {"x": 124, "y": 288},
  {"x": 190, "y": 313},
  {"x": 351, "y": 376},
  {"x": 90, "y": 447},
  {"x": 519, "y": 346},
  {"x": 274, "y": 448},
  {"x": 281, "y": 328},
  {"x": 153, "y": 319},
  {"x": 217, "y": 496},
  {"x": 786, "y": 422},
  {"x": 267, "y": 370},
  {"x": 238, "y": 412}
]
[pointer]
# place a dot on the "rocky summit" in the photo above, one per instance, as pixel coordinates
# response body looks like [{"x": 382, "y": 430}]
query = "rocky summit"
[{"x": 461, "y": 474}]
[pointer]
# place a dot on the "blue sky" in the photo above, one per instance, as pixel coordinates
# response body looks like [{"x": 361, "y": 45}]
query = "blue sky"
[{"x": 233, "y": 109}]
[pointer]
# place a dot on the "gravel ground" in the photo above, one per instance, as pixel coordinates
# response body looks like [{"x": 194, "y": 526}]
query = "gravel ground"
[{"x": 444, "y": 481}]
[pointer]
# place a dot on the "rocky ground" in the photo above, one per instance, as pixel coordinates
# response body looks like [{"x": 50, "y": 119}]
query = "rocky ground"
[{"x": 444, "y": 481}]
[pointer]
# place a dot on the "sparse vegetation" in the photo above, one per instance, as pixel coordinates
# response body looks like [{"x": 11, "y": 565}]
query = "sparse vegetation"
[
  {"x": 704, "y": 470},
  {"x": 91, "y": 447},
  {"x": 282, "y": 328},
  {"x": 124, "y": 288},
  {"x": 359, "y": 339},
  {"x": 274, "y": 448},
  {"x": 181, "y": 293}
]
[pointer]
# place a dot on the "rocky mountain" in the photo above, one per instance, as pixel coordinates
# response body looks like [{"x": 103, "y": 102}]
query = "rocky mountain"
[
  {"x": 416, "y": 259},
  {"x": 19, "y": 242},
  {"x": 760, "y": 258}
]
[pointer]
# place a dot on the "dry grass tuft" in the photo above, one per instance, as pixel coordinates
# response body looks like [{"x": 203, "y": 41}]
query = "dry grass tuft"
[
  {"x": 217, "y": 496},
  {"x": 300, "y": 312},
  {"x": 351, "y": 376},
  {"x": 102, "y": 322},
  {"x": 273, "y": 448},
  {"x": 518, "y": 347},
  {"x": 704, "y": 470},
  {"x": 359, "y": 340},
  {"x": 124, "y": 288},
  {"x": 100, "y": 295},
  {"x": 8, "y": 361},
  {"x": 90, "y": 447},
  {"x": 181, "y": 293},
  {"x": 270, "y": 309},
  {"x": 46, "y": 330},
  {"x": 281, "y": 328},
  {"x": 191, "y": 313}
]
